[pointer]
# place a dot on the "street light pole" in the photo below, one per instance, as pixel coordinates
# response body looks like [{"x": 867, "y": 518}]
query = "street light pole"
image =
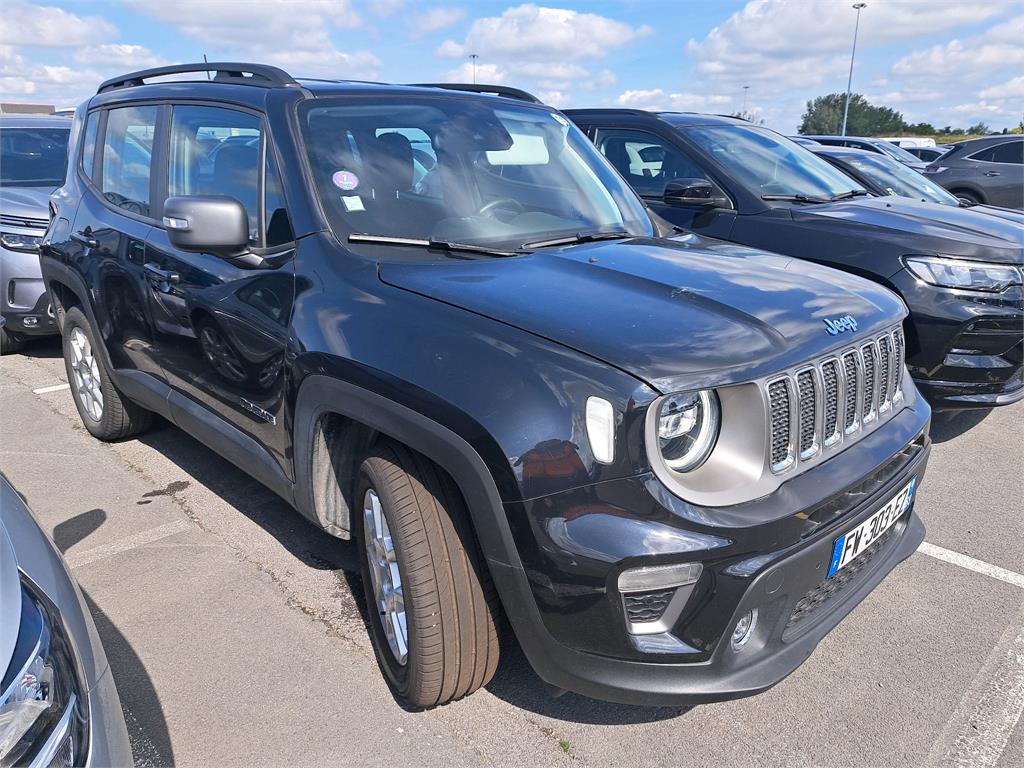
[
  {"x": 473, "y": 57},
  {"x": 849, "y": 80},
  {"x": 745, "y": 89}
]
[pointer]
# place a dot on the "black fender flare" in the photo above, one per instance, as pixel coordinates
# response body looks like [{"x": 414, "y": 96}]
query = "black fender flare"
[
  {"x": 53, "y": 271},
  {"x": 320, "y": 394}
]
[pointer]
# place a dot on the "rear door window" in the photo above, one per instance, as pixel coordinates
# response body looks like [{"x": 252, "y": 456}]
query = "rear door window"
[{"x": 128, "y": 158}]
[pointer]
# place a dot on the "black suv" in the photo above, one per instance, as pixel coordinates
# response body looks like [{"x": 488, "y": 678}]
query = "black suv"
[
  {"x": 438, "y": 322},
  {"x": 959, "y": 271}
]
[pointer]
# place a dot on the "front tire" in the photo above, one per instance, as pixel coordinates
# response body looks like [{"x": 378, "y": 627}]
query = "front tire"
[
  {"x": 433, "y": 612},
  {"x": 9, "y": 342},
  {"x": 105, "y": 412}
]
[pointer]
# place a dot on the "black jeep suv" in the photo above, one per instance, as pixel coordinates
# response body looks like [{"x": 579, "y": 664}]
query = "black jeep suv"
[
  {"x": 959, "y": 271},
  {"x": 439, "y": 323}
]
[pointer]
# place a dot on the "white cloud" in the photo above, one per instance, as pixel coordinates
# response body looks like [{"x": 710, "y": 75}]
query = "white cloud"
[
  {"x": 434, "y": 20},
  {"x": 656, "y": 100},
  {"x": 805, "y": 42},
  {"x": 44, "y": 26},
  {"x": 74, "y": 79},
  {"x": 970, "y": 58},
  {"x": 1011, "y": 89},
  {"x": 532, "y": 33},
  {"x": 302, "y": 24},
  {"x": 542, "y": 48}
]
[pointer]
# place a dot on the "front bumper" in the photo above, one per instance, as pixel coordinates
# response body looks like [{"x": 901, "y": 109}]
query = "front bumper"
[
  {"x": 24, "y": 301},
  {"x": 568, "y": 630},
  {"x": 965, "y": 349}
]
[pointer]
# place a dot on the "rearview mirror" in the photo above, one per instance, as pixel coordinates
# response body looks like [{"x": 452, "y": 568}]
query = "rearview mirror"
[
  {"x": 694, "y": 193},
  {"x": 207, "y": 224}
]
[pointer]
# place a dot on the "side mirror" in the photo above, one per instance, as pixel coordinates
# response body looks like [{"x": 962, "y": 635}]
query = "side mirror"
[
  {"x": 207, "y": 224},
  {"x": 694, "y": 193}
]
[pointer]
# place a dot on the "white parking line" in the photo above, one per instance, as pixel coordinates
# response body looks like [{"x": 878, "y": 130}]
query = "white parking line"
[
  {"x": 983, "y": 731},
  {"x": 78, "y": 559},
  {"x": 54, "y": 388},
  {"x": 978, "y": 566}
]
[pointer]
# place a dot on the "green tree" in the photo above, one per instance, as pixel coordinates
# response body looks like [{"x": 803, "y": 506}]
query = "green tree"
[
  {"x": 979, "y": 129},
  {"x": 825, "y": 115}
]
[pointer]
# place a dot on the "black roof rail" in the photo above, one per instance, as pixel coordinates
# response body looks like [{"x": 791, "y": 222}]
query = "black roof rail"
[
  {"x": 497, "y": 90},
  {"x": 262, "y": 75}
]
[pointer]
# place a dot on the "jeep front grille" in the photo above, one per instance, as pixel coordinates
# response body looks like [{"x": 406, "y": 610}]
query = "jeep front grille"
[{"x": 853, "y": 389}]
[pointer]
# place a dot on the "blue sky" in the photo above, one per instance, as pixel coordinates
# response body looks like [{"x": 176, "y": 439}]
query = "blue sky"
[{"x": 949, "y": 63}]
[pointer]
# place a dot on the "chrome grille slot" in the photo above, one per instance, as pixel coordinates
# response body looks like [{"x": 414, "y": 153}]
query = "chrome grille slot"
[
  {"x": 818, "y": 407},
  {"x": 807, "y": 402},
  {"x": 884, "y": 371},
  {"x": 830, "y": 382},
  {"x": 780, "y": 418},
  {"x": 899, "y": 360},
  {"x": 851, "y": 375},
  {"x": 868, "y": 358}
]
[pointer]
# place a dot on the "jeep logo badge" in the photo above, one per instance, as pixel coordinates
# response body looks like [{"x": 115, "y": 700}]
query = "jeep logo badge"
[{"x": 835, "y": 326}]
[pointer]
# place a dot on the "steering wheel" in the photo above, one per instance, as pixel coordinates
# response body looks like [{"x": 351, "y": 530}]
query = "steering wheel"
[{"x": 509, "y": 203}]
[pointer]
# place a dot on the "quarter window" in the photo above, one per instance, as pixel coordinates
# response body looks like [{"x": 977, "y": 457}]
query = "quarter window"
[
  {"x": 127, "y": 158},
  {"x": 1011, "y": 152},
  {"x": 89, "y": 144}
]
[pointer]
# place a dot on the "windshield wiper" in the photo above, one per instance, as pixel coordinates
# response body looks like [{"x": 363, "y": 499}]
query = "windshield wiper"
[
  {"x": 580, "y": 237},
  {"x": 851, "y": 193},
  {"x": 442, "y": 245},
  {"x": 797, "y": 198}
]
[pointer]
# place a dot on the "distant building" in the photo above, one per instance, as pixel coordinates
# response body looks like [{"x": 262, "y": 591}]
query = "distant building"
[{"x": 9, "y": 108}]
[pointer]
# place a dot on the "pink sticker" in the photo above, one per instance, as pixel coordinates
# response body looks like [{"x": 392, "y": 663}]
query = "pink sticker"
[{"x": 345, "y": 180}]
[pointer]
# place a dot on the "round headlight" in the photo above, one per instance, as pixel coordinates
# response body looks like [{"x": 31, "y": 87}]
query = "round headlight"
[{"x": 688, "y": 428}]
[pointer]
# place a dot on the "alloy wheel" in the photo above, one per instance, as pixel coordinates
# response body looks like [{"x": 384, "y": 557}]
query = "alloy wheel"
[
  {"x": 387, "y": 581},
  {"x": 86, "y": 372}
]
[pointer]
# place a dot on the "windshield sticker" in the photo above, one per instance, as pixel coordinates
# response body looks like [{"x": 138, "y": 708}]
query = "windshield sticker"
[
  {"x": 353, "y": 203},
  {"x": 345, "y": 180}
]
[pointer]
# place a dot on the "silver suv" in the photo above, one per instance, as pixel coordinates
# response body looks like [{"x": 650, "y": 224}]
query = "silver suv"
[
  {"x": 988, "y": 171},
  {"x": 33, "y": 158}
]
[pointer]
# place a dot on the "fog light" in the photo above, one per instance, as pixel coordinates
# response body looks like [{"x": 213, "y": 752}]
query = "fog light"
[
  {"x": 744, "y": 629},
  {"x": 31, "y": 322}
]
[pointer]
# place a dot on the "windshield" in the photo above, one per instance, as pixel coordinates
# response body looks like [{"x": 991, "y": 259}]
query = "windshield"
[
  {"x": 770, "y": 164},
  {"x": 33, "y": 157},
  {"x": 462, "y": 170},
  {"x": 897, "y": 179},
  {"x": 896, "y": 152}
]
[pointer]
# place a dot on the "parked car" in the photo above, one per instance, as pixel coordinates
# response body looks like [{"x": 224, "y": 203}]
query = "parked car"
[
  {"x": 908, "y": 142},
  {"x": 989, "y": 170},
  {"x": 881, "y": 146},
  {"x": 33, "y": 158},
  {"x": 882, "y": 176},
  {"x": 927, "y": 154},
  {"x": 958, "y": 271},
  {"x": 496, "y": 378},
  {"x": 803, "y": 140},
  {"x": 58, "y": 702}
]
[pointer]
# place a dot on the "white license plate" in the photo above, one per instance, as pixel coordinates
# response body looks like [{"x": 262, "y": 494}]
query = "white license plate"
[{"x": 851, "y": 544}]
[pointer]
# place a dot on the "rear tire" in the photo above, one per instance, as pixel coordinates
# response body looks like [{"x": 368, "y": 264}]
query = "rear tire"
[
  {"x": 9, "y": 342},
  {"x": 415, "y": 529},
  {"x": 105, "y": 412},
  {"x": 973, "y": 197}
]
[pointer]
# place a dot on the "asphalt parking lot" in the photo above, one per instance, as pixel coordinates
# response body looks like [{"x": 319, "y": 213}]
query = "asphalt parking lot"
[{"x": 234, "y": 637}]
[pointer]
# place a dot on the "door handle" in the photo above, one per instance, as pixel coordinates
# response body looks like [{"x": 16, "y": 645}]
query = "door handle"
[
  {"x": 163, "y": 279},
  {"x": 84, "y": 236},
  {"x": 993, "y": 173}
]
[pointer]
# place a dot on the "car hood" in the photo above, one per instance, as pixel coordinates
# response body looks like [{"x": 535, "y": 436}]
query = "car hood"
[
  {"x": 10, "y": 599},
  {"x": 663, "y": 310},
  {"x": 920, "y": 227},
  {"x": 32, "y": 202},
  {"x": 1008, "y": 214}
]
